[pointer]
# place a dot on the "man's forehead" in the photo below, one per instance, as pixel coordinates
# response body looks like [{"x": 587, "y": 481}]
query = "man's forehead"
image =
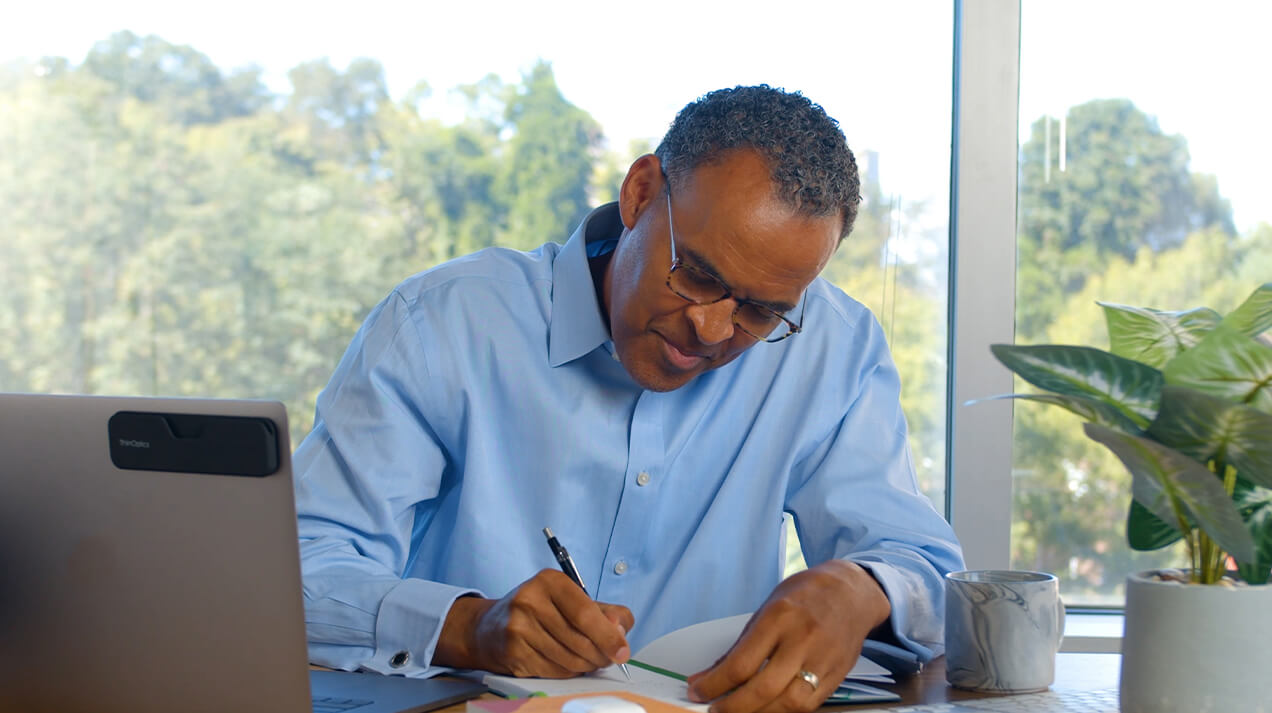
[
  {"x": 702, "y": 262},
  {"x": 770, "y": 265}
]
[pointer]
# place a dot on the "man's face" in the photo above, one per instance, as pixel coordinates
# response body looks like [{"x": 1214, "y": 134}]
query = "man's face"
[{"x": 727, "y": 223}]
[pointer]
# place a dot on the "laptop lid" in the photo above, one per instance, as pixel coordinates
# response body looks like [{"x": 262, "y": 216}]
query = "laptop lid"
[
  {"x": 149, "y": 562},
  {"x": 132, "y": 582}
]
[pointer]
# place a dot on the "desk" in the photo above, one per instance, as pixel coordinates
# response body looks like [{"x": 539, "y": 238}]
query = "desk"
[{"x": 1074, "y": 672}]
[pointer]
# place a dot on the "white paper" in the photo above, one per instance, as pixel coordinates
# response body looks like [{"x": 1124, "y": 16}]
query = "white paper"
[
  {"x": 684, "y": 651},
  {"x": 695, "y": 648},
  {"x": 646, "y": 683}
]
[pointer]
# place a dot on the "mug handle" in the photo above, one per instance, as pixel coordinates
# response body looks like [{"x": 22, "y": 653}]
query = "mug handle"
[{"x": 1060, "y": 612}]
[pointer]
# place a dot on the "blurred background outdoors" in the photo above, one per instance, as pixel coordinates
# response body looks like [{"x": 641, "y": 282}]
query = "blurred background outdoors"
[{"x": 210, "y": 206}]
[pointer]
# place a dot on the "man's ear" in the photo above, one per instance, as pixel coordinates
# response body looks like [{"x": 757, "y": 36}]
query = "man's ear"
[{"x": 643, "y": 184}]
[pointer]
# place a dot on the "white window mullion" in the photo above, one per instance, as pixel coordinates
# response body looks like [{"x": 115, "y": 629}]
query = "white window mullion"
[{"x": 982, "y": 275}]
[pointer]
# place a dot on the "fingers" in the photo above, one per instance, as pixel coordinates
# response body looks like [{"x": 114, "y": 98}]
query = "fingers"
[
  {"x": 549, "y": 627},
  {"x": 776, "y": 687},
  {"x": 741, "y": 664},
  {"x": 557, "y": 657},
  {"x": 800, "y": 695},
  {"x": 595, "y": 622},
  {"x": 618, "y": 614},
  {"x": 815, "y": 621},
  {"x": 582, "y": 630}
]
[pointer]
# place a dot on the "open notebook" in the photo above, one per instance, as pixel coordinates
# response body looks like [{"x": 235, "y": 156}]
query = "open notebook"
[{"x": 659, "y": 670}]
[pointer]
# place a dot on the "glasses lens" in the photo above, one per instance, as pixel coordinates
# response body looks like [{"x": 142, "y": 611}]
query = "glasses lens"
[
  {"x": 762, "y": 323},
  {"x": 695, "y": 285}
]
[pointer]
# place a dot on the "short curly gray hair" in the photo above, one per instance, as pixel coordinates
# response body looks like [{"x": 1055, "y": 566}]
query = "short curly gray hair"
[{"x": 812, "y": 167}]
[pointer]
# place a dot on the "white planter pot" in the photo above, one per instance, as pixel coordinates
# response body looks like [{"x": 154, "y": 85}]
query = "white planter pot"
[{"x": 1196, "y": 649}]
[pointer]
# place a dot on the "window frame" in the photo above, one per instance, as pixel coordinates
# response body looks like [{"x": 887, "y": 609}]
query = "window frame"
[
  {"x": 982, "y": 277},
  {"x": 984, "y": 169}
]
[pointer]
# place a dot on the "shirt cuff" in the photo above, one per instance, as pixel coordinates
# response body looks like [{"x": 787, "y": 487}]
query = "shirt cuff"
[
  {"x": 409, "y": 625},
  {"x": 904, "y": 597}
]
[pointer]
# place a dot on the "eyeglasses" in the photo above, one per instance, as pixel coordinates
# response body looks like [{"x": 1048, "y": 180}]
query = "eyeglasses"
[{"x": 703, "y": 288}]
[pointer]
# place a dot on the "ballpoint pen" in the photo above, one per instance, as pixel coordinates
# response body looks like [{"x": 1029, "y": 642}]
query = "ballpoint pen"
[{"x": 567, "y": 565}]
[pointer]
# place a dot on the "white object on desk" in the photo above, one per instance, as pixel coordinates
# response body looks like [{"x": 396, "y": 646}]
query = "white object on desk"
[{"x": 602, "y": 704}]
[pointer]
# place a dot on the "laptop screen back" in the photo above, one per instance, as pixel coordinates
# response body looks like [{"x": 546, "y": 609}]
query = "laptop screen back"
[{"x": 143, "y": 588}]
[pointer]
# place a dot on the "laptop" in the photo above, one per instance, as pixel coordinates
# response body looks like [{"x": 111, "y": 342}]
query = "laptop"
[{"x": 149, "y": 562}]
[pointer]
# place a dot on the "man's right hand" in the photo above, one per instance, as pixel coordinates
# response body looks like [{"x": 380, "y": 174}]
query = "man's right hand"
[{"x": 547, "y": 628}]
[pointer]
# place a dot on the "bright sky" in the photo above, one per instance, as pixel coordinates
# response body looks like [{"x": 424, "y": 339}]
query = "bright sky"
[{"x": 882, "y": 69}]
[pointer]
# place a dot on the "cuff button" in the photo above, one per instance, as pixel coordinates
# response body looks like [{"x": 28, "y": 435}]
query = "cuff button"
[{"x": 400, "y": 659}]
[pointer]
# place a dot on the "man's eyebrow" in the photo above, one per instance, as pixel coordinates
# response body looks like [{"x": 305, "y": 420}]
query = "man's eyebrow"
[{"x": 702, "y": 263}]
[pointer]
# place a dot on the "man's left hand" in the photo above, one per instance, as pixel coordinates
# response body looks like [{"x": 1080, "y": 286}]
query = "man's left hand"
[{"x": 815, "y": 621}]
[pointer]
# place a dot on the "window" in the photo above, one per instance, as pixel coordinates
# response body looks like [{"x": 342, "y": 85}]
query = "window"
[
  {"x": 1142, "y": 149},
  {"x": 199, "y": 205}
]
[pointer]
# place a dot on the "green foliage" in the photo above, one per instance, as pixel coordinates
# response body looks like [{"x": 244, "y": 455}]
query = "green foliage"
[
  {"x": 172, "y": 229},
  {"x": 1227, "y": 364},
  {"x": 1208, "y": 428},
  {"x": 1126, "y": 187},
  {"x": 910, "y": 306},
  {"x": 1171, "y": 486},
  {"x": 1256, "y": 509},
  {"x": 179, "y": 81},
  {"x": 549, "y": 161},
  {"x": 1080, "y": 241},
  {"x": 1200, "y": 447},
  {"x": 1129, "y": 387},
  {"x": 1154, "y": 337}
]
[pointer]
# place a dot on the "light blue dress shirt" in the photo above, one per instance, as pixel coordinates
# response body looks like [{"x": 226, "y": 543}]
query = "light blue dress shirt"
[{"x": 481, "y": 402}]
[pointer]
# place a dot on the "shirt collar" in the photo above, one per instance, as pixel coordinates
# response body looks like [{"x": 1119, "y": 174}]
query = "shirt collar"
[{"x": 577, "y": 325}]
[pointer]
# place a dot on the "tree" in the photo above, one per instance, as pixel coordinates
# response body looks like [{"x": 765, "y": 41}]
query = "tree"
[
  {"x": 1126, "y": 186},
  {"x": 548, "y": 166},
  {"x": 340, "y": 109},
  {"x": 184, "y": 82},
  {"x": 168, "y": 230},
  {"x": 441, "y": 183},
  {"x": 908, "y": 300}
]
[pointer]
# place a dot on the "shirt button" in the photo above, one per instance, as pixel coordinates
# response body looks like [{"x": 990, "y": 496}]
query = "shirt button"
[
  {"x": 620, "y": 567},
  {"x": 400, "y": 659},
  {"x": 642, "y": 479}
]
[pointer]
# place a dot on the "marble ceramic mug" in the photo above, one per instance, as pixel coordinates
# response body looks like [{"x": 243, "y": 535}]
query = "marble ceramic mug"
[{"x": 1002, "y": 630}]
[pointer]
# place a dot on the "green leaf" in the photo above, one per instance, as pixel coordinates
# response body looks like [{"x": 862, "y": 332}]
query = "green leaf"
[
  {"x": 1205, "y": 428},
  {"x": 1227, "y": 364},
  {"x": 1154, "y": 337},
  {"x": 1128, "y": 386},
  {"x": 1254, "y": 316},
  {"x": 1160, "y": 475},
  {"x": 1145, "y": 531},
  {"x": 1255, "y": 505},
  {"x": 1088, "y": 408}
]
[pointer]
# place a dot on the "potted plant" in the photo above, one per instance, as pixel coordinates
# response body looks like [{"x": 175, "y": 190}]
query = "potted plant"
[{"x": 1184, "y": 400}]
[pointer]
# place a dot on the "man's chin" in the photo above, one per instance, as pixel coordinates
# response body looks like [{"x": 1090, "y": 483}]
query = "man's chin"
[
  {"x": 652, "y": 374},
  {"x": 653, "y": 379}
]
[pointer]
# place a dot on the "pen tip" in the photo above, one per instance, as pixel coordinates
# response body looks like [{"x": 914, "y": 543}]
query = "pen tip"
[
  {"x": 626, "y": 673},
  {"x": 547, "y": 532}
]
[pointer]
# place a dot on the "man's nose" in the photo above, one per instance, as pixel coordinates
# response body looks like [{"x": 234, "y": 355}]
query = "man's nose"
[{"x": 713, "y": 323}]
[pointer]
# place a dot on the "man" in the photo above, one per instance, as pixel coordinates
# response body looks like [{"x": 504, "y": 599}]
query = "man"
[{"x": 615, "y": 389}]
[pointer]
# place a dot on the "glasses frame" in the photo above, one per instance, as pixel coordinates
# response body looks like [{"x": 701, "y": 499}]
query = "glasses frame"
[{"x": 678, "y": 264}]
